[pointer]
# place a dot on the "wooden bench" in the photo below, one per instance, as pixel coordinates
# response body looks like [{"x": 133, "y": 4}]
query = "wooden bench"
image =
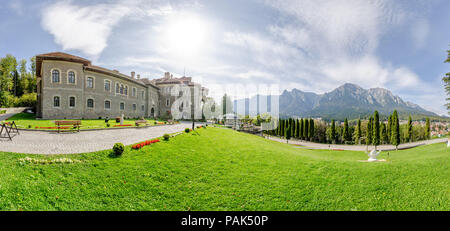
[
  {"x": 139, "y": 122},
  {"x": 75, "y": 123}
]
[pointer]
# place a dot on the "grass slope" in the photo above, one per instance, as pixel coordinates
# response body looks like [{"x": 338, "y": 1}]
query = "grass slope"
[{"x": 220, "y": 169}]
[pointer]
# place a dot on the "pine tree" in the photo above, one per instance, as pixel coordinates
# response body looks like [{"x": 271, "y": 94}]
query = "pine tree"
[
  {"x": 446, "y": 80},
  {"x": 292, "y": 127},
  {"x": 306, "y": 129},
  {"x": 346, "y": 132},
  {"x": 410, "y": 135},
  {"x": 311, "y": 129},
  {"x": 333, "y": 132},
  {"x": 369, "y": 132},
  {"x": 388, "y": 129},
  {"x": 427, "y": 129},
  {"x": 395, "y": 128},
  {"x": 376, "y": 129},
  {"x": 298, "y": 129}
]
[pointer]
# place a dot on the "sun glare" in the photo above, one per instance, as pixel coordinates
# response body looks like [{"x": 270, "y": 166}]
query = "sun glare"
[{"x": 186, "y": 34}]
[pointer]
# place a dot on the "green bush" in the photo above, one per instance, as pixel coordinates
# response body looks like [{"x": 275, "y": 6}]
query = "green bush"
[
  {"x": 186, "y": 130},
  {"x": 166, "y": 137},
  {"x": 118, "y": 149},
  {"x": 2, "y": 112},
  {"x": 108, "y": 125}
]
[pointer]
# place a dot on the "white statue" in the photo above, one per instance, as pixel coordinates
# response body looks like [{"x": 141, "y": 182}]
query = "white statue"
[
  {"x": 373, "y": 155},
  {"x": 448, "y": 142}
]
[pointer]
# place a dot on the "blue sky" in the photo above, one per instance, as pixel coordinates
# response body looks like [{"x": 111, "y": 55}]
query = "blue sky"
[{"x": 311, "y": 45}]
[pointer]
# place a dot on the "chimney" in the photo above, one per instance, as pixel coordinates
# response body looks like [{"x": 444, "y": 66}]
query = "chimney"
[
  {"x": 132, "y": 74},
  {"x": 167, "y": 75},
  {"x": 171, "y": 76},
  {"x": 138, "y": 76}
]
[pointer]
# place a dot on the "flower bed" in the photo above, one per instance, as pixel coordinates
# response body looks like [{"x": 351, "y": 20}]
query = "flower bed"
[
  {"x": 53, "y": 127},
  {"x": 144, "y": 143},
  {"x": 123, "y": 125}
]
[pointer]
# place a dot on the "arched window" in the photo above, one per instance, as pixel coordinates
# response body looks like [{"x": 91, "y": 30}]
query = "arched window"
[
  {"x": 90, "y": 103},
  {"x": 71, "y": 77},
  {"x": 121, "y": 89},
  {"x": 122, "y": 106},
  {"x": 71, "y": 101},
  {"x": 107, "y": 104},
  {"x": 126, "y": 90},
  {"x": 117, "y": 88},
  {"x": 55, "y": 76},
  {"x": 56, "y": 101},
  {"x": 107, "y": 85}
]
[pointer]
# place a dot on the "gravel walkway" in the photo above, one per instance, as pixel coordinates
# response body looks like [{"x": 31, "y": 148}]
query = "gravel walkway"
[
  {"x": 37, "y": 142},
  {"x": 312, "y": 145}
]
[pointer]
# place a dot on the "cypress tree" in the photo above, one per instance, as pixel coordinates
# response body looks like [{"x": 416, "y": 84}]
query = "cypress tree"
[
  {"x": 369, "y": 131},
  {"x": 298, "y": 129},
  {"x": 358, "y": 132},
  {"x": 427, "y": 128},
  {"x": 388, "y": 128},
  {"x": 395, "y": 128},
  {"x": 376, "y": 129},
  {"x": 306, "y": 129},
  {"x": 292, "y": 127},
  {"x": 346, "y": 132},
  {"x": 311, "y": 129},
  {"x": 301, "y": 129},
  {"x": 287, "y": 134},
  {"x": 409, "y": 129},
  {"x": 333, "y": 132},
  {"x": 383, "y": 136}
]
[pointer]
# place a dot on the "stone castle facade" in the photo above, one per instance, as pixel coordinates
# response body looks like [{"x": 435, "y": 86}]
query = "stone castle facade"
[{"x": 70, "y": 87}]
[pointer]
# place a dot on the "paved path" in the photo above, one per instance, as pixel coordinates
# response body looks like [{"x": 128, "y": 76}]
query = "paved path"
[
  {"x": 10, "y": 112},
  {"x": 38, "y": 142},
  {"x": 358, "y": 147}
]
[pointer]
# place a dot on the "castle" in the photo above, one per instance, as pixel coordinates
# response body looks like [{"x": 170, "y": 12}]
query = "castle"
[{"x": 70, "y": 87}]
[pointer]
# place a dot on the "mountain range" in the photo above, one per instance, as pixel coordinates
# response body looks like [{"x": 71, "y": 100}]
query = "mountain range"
[{"x": 347, "y": 101}]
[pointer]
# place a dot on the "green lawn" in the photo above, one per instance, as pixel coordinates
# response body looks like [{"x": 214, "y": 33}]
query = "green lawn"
[
  {"x": 24, "y": 120},
  {"x": 220, "y": 169}
]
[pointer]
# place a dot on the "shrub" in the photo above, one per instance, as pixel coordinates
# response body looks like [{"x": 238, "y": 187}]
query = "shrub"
[
  {"x": 117, "y": 119},
  {"x": 118, "y": 149},
  {"x": 187, "y": 130},
  {"x": 166, "y": 137},
  {"x": 29, "y": 126},
  {"x": 108, "y": 125}
]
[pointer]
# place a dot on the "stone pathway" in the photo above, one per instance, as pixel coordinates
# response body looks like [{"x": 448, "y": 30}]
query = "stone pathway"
[
  {"x": 38, "y": 142},
  {"x": 312, "y": 145}
]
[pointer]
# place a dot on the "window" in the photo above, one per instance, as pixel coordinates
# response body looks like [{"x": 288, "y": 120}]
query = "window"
[
  {"x": 122, "y": 106},
  {"x": 126, "y": 90},
  {"x": 167, "y": 102},
  {"x": 142, "y": 108},
  {"x": 71, "y": 77},
  {"x": 56, "y": 101},
  {"x": 90, "y": 103},
  {"x": 55, "y": 76},
  {"x": 107, "y": 85},
  {"x": 71, "y": 101},
  {"x": 117, "y": 88},
  {"x": 107, "y": 104},
  {"x": 121, "y": 89},
  {"x": 143, "y": 94},
  {"x": 134, "y": 107},
  {"x": 90, "y": 82},
  {"x": 134, "y": 92}
]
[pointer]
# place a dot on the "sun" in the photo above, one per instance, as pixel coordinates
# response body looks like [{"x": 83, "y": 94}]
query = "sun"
[{"x": 186, "y": 34}]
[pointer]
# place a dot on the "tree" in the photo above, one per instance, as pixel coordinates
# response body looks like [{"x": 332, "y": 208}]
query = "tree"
[
  {"x": 410, "y": 135},
  {"x": 369, "y": 131},
  {"x": 292, "y": 128},
  {"x": 297, "y": 134},
  {"x": 427, "y": 129},
  {"x": 311, "y": 130},
  {"x": 287, "y": 134},
  {"x": 346, "y": 132},
  {"x": 376, "y": 130},
  {"x": 446, "y": 80},
  {"x": 301, "y": 129},
  {"x": 383, "y": 135},
  {"x": 333, "y": 132},
  {"x": 306, "y": 129},
  {"x": 358, "y": 132},
  {"x": 395, "y": 128},
  {"x": 388, "y": 128}
]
